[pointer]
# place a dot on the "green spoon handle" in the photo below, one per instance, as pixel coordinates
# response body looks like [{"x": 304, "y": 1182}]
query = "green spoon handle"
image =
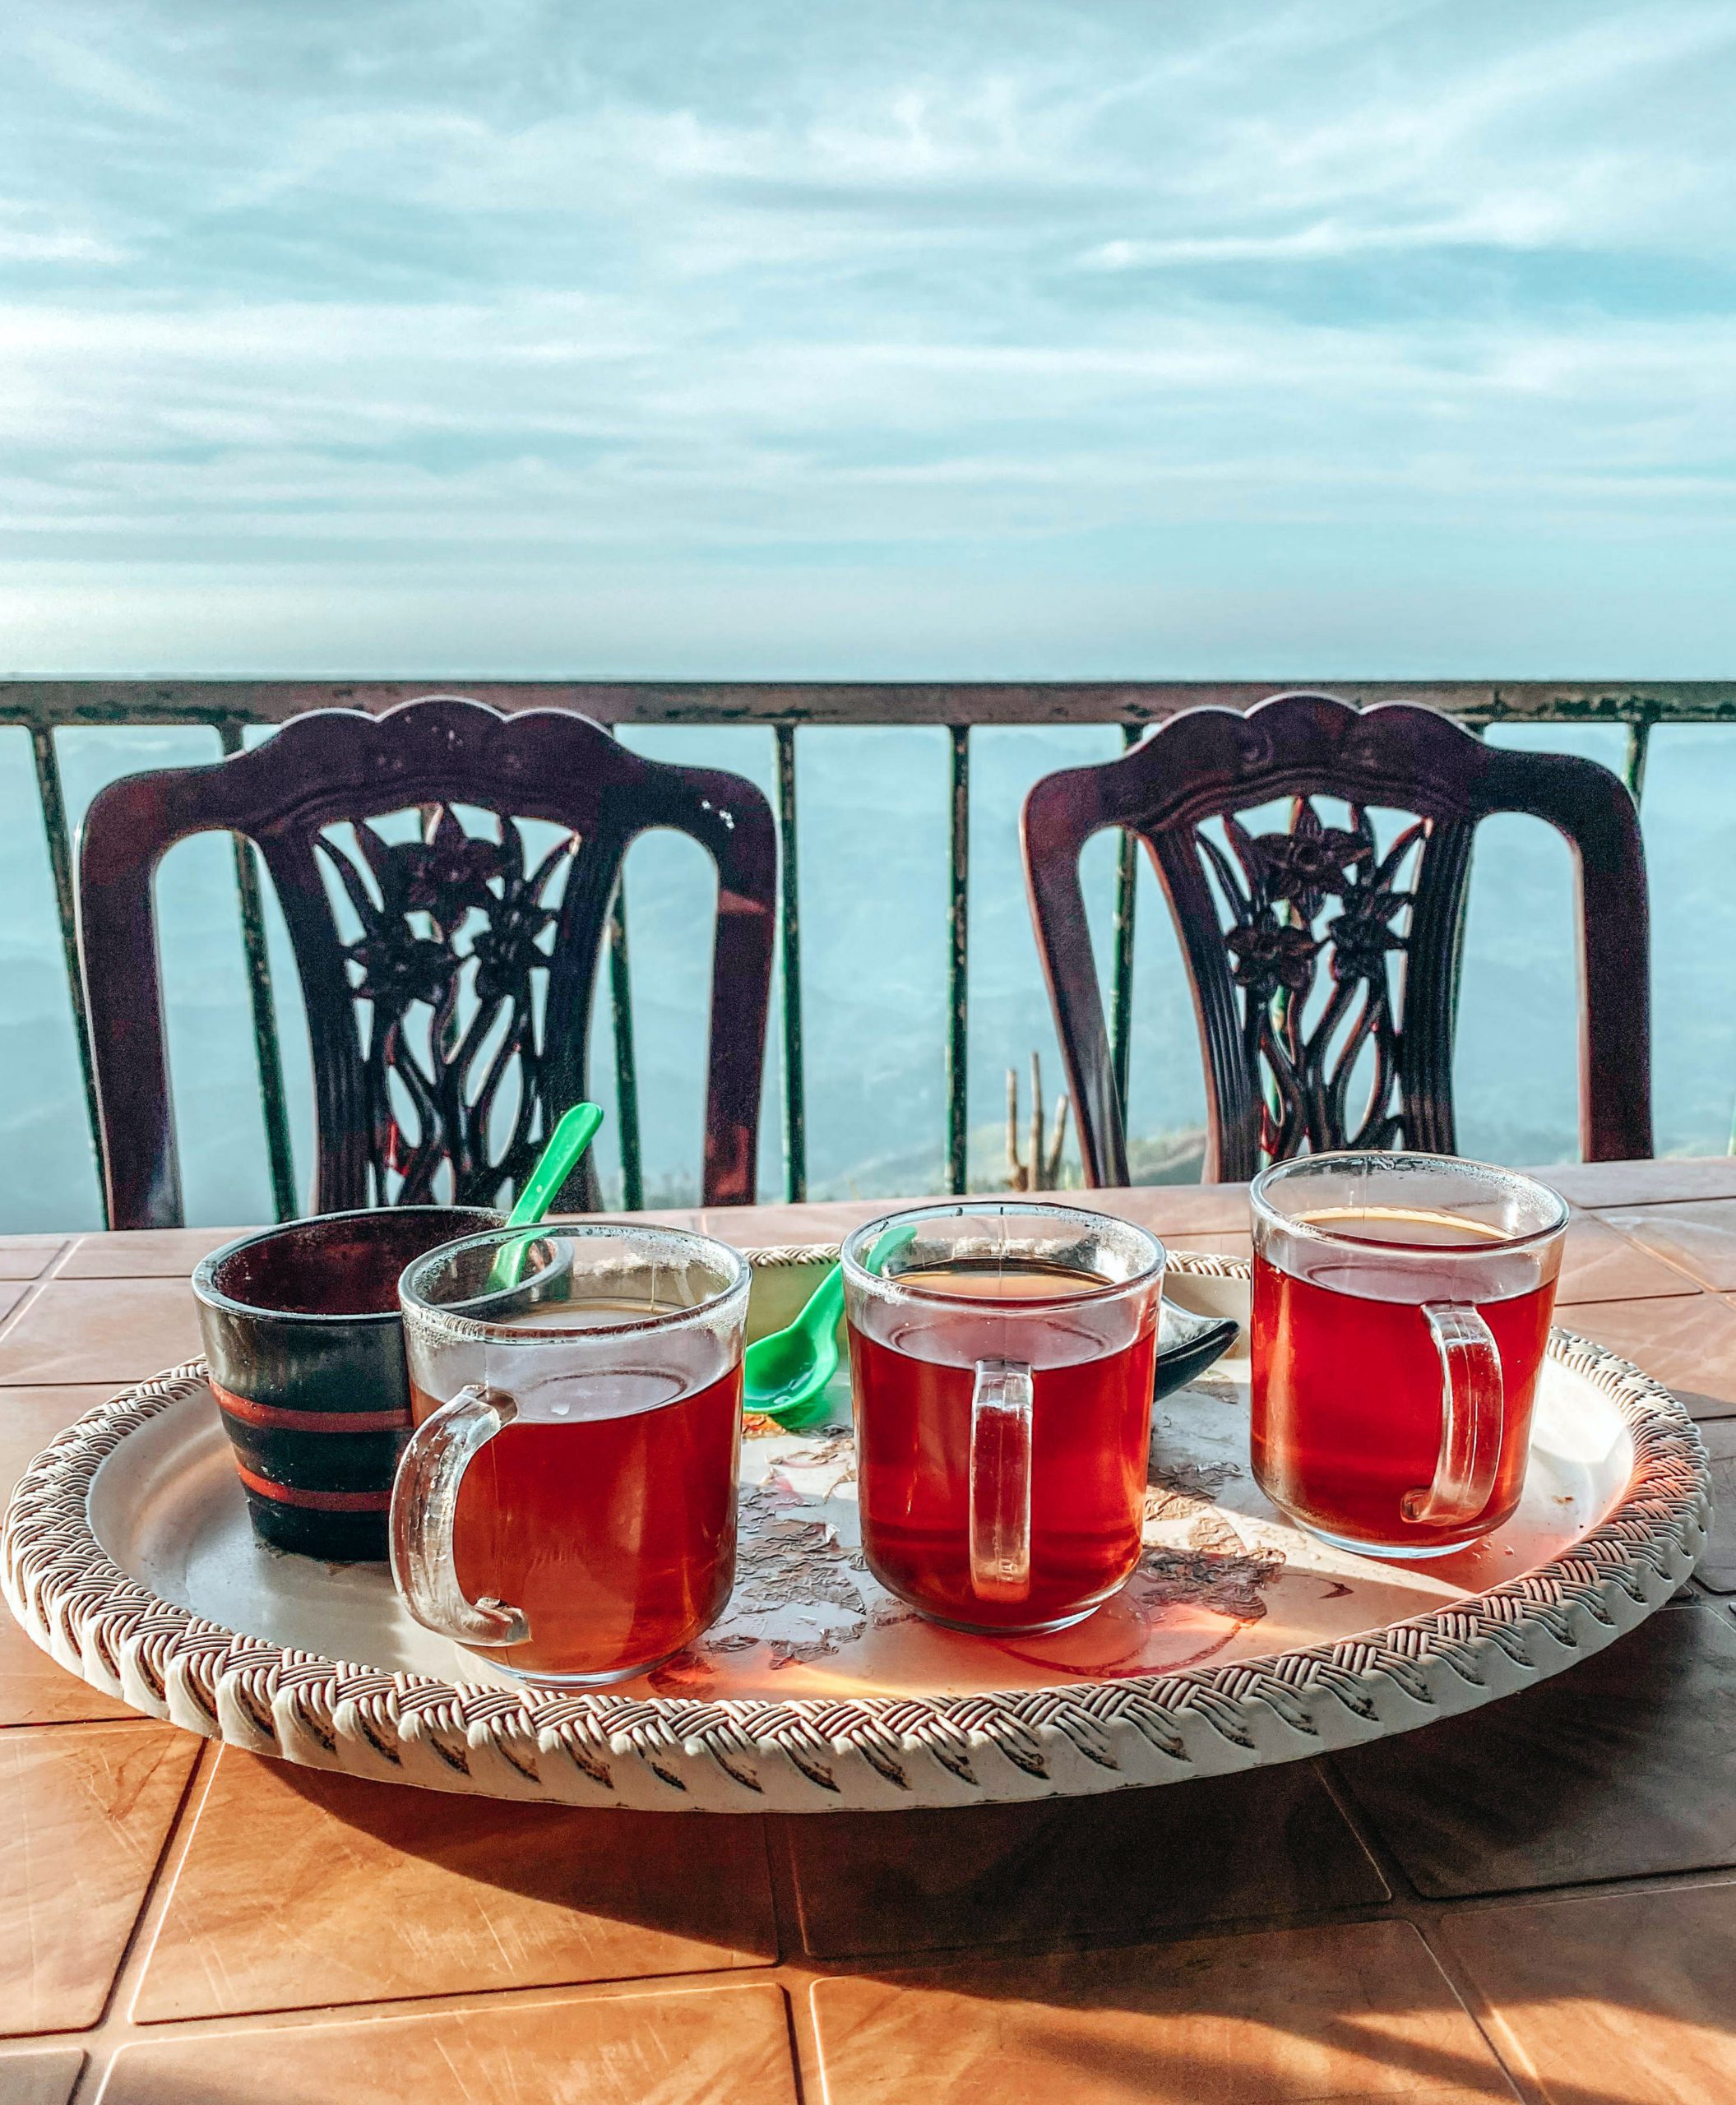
[
  {"x": 825, "y": 1304},
  {"x": 571, "y": 1135}
]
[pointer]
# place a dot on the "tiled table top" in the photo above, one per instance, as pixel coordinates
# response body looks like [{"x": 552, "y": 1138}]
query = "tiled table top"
[{"x": 1538, "y": 1901}]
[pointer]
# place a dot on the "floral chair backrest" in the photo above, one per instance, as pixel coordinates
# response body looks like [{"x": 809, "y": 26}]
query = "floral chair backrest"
[
  {"x": 1316, "y": 921},
  {"x": 1323, "y": 952},
  {"x": 448, "y": 965},
  {"x": 454, "y": 941}
]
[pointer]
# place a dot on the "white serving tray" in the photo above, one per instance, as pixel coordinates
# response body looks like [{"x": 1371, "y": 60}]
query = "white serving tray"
[{"x": 1240, "y": 1640}]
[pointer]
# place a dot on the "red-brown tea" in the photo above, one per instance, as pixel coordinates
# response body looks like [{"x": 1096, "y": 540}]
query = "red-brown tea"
[
  {"x": 606, "y": 1511},
  {"x": 1091, "y": 1431},
  {"x": 1347, "y": 1379}
]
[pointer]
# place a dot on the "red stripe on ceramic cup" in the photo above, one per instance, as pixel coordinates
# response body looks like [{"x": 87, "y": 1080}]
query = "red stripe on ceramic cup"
[
  {"x": 269, "y": 1415},
  {"x": 314, "y": 1501}
]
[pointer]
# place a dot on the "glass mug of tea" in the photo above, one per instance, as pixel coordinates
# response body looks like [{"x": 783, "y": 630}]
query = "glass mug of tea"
[
  {"x": 1002, "y": 1358},
  {"x": 566, "y": 1501},
  {"x": 1401, "y": 1310}
]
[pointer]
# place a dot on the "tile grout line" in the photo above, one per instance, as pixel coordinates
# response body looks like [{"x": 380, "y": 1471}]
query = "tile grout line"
[
  {"x": 133, "y": 1718},
  {"x": 1664, "y": 1256},
  {"x": 33, "y": 1291},
  {"x": 117, "y": 2030},
  {"x": 1421, "y": 1914},
  {"x": 793, "y": 1977},
  {"x": 1514, "y": 2064},
  {"x": 96, "y": 2041},
  {"x": 115, "y": 2026},
  {"x": 1695, "y": 1286},
  {"x": 794, "y": 1964},
  {"x": 1426, "y": 1916}
]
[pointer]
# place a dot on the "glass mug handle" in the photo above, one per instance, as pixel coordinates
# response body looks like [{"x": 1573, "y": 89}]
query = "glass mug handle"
[
  {"x": 1000, "y": 1481},
  {"x": 1472, "y": 1407},
  {"x": 424, "y": 1505}
]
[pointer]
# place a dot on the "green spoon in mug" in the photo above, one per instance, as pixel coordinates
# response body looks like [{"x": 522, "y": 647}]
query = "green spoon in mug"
[{"x": 571, "y": 1135}]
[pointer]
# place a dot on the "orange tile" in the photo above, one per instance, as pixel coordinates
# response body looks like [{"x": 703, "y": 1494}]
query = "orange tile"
[
  {"x": 43, "y": 2078},
  {"x": 1717, "y": 1568},
  {"x": 1601, "y": 1263},
  {"x": 32, "y": 1690},
  {"x": 1130, "y": 1861},
  {"x": 1621, "y": 1767},
  {"x": 1598, "y": 1264},
  {"x": 111, "y": 1331},
  {"x": 300, "y": 1887},
  {"x": 1321, "y": 2014},
  {"x": 1688, "y": 1343},
  {"x": 1698, "y": 1237},
  {"x": 687, "y": 1217},
  {"x": 691, "y": 2046},
  {"x": 144, "y": 1253},
  {"x": 30, "y": 1417},
  {"x": 769, "y": 1228},
  {"x": 88, "y": 1808},
  {"x": 1642, "y": 1183},
  {"x": 1172, "y": 1211},
  {"x": 28, "y": 1256},
  {"x": 1624, "y": 1997}
]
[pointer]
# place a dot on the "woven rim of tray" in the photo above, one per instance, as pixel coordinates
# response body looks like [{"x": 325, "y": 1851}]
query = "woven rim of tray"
[{"x": 75, "y": 1599}]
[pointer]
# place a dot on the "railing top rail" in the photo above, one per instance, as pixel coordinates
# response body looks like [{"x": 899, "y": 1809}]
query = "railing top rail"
[{"x": 888, "y": 702}]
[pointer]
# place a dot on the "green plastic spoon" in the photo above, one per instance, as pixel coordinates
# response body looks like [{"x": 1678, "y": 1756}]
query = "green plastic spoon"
[
  {"x": 571, "y": 1135},
  {"x": 784, "y": 1374}
]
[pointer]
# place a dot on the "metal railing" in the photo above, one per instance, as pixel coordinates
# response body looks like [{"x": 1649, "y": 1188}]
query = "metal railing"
[{"x": 230, "y": 707}]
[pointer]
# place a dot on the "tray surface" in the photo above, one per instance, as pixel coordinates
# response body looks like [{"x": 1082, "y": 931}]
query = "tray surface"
[{"x": 1240, "y": 1639}]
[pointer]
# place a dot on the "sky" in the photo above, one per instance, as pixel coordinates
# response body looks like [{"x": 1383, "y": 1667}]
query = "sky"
[{"x": 777, "y": 341}]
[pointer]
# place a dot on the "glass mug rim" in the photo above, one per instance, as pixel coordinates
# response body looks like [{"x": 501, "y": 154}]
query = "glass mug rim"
[
  {"x": 456, "y": 1325},
  {"x": 1268, "y": 1215},
  {"x": 890, "y": 1287}
]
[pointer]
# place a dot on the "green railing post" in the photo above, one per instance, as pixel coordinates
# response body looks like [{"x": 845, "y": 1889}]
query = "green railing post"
[
  {"x": 958, "y": 998},
  {"x": 626, "y": 1072},
  {"x": 1461, "y": 927},
  {"x": 790, "y": 951},
  {"x": 1121, "y": 983},
  {"x": 1639, "y": 745},
  {"x": 52, "y": 798},
  {"x": 261, "y": 998}
]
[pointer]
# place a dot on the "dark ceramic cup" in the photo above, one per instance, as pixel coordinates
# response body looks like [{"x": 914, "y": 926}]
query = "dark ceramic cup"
[{"x": 304, "y": 1344}]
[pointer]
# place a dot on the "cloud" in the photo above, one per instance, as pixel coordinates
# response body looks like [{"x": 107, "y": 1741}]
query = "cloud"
[
  {"x": 26, "y": 236},
  {"x": 91, "y": 76},
  {"x": 1003, "y": 285},
  {"x": 1522, "y": 224}
]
